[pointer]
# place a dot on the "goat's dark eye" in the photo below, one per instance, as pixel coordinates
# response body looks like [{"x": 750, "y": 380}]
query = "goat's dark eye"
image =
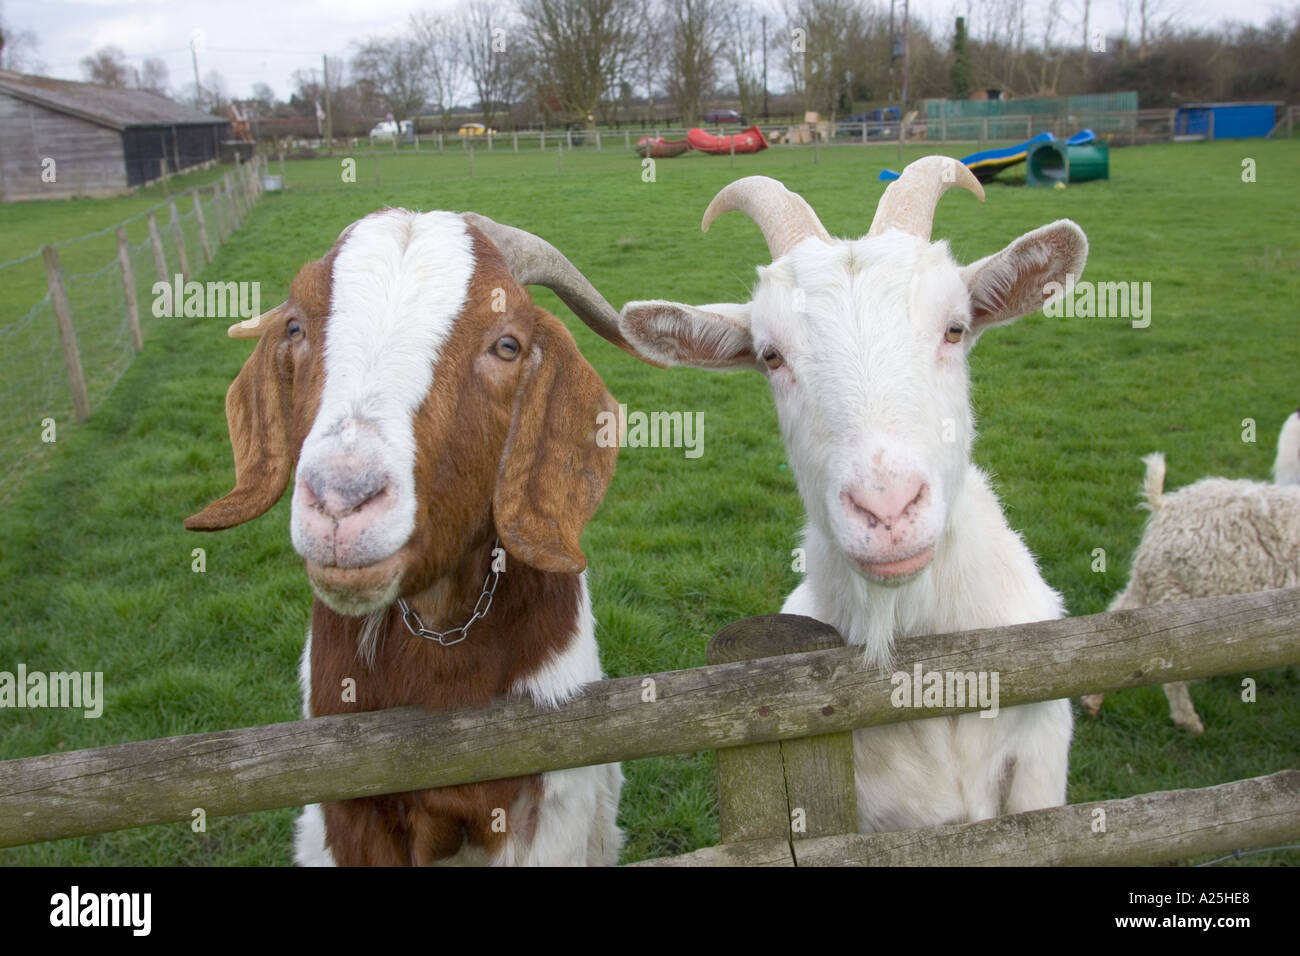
[
  {"x": 954, "y": 334},
  {"x": 294, "y": 328},
  {"x": 772, "y": 358},
  {"x": 506, "y": 347}
]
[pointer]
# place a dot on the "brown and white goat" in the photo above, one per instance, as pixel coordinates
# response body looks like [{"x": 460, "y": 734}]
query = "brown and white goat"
[{"x": 431, "y": 408}]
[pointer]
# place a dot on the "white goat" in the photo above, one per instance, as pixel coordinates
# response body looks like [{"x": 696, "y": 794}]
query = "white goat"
[
  {"x": 1213, "y": 538},
  {"x": 865, "y": 344},
  {"x": 429, "y": 407}
]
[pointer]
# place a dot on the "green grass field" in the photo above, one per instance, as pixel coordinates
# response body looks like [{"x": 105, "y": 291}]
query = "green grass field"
[{"x": 97, "y": 568}]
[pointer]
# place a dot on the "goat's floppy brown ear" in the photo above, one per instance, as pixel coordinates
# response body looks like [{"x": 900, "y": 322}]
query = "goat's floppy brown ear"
[
  {"x": 257, "y": 417},
  {"x": 553, "y": 473}
]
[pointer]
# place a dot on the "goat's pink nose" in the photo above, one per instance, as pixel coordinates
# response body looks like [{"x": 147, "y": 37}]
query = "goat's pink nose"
[
  {"x": 890, "y": 505},
  {"x": 340, "y": 496}
]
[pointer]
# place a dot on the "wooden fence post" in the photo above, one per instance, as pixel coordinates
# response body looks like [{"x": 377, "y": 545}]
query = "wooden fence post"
[
  {"x": 232, "y": 202},
  {"x": 204, "y": 243},
  {"x": 789, "y": 789},
  {"x": 219, "y": 203},
  {"x": 159, "y": 257},
  {"x": 67, "y": 335},
  {"x": 178, "y": 236},
  {"x": 128, "y": 287}
]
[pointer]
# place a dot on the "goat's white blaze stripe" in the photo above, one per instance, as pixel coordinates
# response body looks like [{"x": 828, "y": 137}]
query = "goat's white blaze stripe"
[{"x": 400, "y": 280}]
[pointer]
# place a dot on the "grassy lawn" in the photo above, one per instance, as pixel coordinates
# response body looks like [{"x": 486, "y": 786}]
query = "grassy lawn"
[{"x": 97, "y": 567}]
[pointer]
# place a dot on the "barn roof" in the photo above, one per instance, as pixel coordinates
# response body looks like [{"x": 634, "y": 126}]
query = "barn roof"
[{"x": 115, "y": 108}]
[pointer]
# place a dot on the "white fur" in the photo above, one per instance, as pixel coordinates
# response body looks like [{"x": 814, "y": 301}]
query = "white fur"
[
  {"x": 577, "y": 812},
  {"x": 400, "y": 279},
  {"x": 1214, "y": 538},
  {"x": 873, "y": 402}
]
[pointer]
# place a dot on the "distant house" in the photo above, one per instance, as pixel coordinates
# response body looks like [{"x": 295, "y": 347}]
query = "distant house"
[{"x": 101, "y": 140}]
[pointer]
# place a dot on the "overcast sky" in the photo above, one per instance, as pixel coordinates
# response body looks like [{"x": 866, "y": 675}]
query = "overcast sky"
[{"x": 250, "y": 41}]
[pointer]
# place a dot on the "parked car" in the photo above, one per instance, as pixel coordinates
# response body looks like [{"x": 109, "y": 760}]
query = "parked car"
[
  {"x": 882, "y": 124},
  {"x": 474, "y": 129},
  {"x": 389, "y": 128},
  {"x": 723, "y": 118}
]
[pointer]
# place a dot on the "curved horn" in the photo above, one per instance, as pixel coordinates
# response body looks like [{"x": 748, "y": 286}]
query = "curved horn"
[
  {"x": 785, "y": 217},
  {"x": 910, "y": 200},
  {"x": 254, "y": 327},
  {"x": 534, "y": 261}
]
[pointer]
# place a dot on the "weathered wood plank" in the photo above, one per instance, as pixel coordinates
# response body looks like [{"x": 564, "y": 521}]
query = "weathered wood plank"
[
  {"x": 178, "y": 238},
  {"x": 159, "y": 257},
  {"x": 771, "y": 852},
  {"x": 67, "y": 334},
  {"x": 128, "y": 288},
  {"x": 1149, "y": 828},
  {"x": 204, "y": 243},
  {"x": 791, "y": 789},
  {"x": 799, "y": 695}
]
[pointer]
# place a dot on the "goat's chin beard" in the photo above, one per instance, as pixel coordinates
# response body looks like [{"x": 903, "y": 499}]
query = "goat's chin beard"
[{"x": 356, "y": 592}]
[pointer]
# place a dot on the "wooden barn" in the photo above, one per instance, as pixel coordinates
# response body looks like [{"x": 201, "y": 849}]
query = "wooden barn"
[{"x": 102, "y": 140}]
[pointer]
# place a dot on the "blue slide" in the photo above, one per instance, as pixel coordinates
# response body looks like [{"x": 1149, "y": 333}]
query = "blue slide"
[{"x": 988, "y": 163}]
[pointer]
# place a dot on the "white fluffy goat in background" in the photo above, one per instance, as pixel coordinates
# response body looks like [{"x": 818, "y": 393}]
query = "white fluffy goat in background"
[{"x": 1213, "y": 538}]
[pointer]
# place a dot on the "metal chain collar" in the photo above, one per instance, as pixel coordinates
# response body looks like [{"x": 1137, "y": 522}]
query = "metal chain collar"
[{"x": 457, "y": 634}]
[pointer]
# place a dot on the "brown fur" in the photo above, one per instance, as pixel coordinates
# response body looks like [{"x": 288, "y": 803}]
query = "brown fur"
[{"x": 503, "y": 448}]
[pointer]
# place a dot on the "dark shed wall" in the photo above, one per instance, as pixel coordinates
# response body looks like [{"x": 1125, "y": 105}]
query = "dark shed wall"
[{"x": 88, "y": 157}]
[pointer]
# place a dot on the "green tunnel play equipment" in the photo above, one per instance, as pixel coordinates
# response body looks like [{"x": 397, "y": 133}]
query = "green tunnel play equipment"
[{"x": 1060, "y": 162}]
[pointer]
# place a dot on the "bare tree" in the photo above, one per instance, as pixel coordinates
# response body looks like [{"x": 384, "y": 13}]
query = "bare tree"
[
  {"x": 444, "y": 59},
  {"x": 393, "y": 71},
  {"x": 742, "y": 49},
  {"x": 18, "y": 49},
  {"x": 580, "y": 49},
  {"x": 153, "y": 76},
  {"x": 822, "y": 41},
  {"x": 487, "y": 32},
  {"x": 107, "y": 66},
  {"x": 692, "y": 29}
]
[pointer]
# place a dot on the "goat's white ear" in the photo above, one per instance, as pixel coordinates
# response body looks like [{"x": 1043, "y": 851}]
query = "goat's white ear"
[
  {"x": 704, "y": 336},
  {"x": 1025, "y": 275}
]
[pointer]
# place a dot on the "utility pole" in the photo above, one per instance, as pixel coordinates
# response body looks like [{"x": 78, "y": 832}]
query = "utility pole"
[
  {"x": 906, "y": 4},
  {"x": 329, "y": 114},
  {"x": 765, "y": 112},
  {"x": 194, "y": 56}
]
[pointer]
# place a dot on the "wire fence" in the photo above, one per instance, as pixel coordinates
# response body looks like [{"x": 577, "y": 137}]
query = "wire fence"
[{"x": 63, "y": 356}]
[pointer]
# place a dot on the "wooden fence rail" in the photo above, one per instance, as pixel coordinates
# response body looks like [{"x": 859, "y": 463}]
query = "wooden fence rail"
[
  {"x": 1148, "y": 828},
  {"x": 724, "y": 705}
]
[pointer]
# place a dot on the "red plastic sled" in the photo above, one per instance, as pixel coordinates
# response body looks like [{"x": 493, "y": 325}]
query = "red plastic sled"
[
  {"x": 746, "y": 141},
  {"x": 659, "y": 148}
]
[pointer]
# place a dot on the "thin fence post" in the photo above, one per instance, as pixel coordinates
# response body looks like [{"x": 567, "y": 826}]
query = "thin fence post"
[
  {"x": 515, "y": 134},
  {"x": 128, "y": 287},
  {"x": 543, "y": 141},
  {"x": 627, "y": 138},
  {"x": 178, "y": 237},
  {"x": 598, "y": 149},
  {"x": 788, "y": 789},
  {"x": 559, "y": 158},
  {"x": 204, "y": 243},
  {"x": 471, "y": 160},
  {"x": 67, "y": 335},
  {"x": 232, "y": 203},
  {"x": 159, "y": 257},
  {"x": 284, "y": 180},
  {"x": 221, "y": 212}
]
